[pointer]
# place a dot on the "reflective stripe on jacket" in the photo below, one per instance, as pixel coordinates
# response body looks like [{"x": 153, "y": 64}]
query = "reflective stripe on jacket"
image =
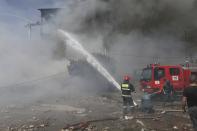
[
  {"x": 126, "y": 89},
  {"x": 125, "y": 85}
]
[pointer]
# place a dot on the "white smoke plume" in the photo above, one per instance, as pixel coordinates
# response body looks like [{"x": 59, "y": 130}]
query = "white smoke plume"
[
  {"x": 133, "y": 32},
  {"x": 28, "y": 67}
]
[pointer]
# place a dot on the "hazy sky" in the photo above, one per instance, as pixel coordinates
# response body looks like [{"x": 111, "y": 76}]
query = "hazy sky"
[
  {"x": 25, "y": 8},
  {"x": 29, "y": 4},
  {"x": 15, "y": 14}
]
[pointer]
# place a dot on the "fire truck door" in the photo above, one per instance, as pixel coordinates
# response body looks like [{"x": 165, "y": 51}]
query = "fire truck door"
[{"x": 176, "y": 77}]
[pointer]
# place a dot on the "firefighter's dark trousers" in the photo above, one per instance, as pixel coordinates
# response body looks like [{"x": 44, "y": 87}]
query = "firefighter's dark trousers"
[
  {"x": 168, "y": 97},
  {"x": 193, "y": 116},
  {"x": 127, "y": 104}
]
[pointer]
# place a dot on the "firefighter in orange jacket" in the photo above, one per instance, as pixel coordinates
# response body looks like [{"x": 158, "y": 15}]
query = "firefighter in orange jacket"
[{"x": 127, "y": 88}]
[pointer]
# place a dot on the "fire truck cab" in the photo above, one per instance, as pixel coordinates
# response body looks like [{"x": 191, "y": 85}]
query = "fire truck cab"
[{"x": 153, "y": 76}]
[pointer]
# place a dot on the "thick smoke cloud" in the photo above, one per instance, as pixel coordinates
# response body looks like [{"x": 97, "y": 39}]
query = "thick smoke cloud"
[
  {"x": 31, "y": 68},
  {"x": 28, "y": 67},
  {"x": 165, "y": 23},
  {"x": 134, "y": 32},
  {"x": 127, "y": 15}
]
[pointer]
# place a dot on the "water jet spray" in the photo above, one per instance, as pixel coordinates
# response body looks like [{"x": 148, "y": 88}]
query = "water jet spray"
[{"x": 89, "y": 58}]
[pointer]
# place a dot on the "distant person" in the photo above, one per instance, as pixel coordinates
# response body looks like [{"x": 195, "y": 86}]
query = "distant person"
[
  {"x": 168, "y": 91},
  {"x": 190, "y": 100},
  {"x": 127, "y": 88}
]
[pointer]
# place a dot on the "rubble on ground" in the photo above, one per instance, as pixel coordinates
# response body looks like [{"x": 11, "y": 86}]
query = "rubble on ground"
[{"x": 93, "y": 112}]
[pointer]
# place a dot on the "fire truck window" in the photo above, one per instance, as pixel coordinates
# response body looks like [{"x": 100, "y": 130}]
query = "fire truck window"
[
  {"x": 174, "y": 71},
  {"x": 146, "y": 74},
  {"x": 159, "y": 73}
]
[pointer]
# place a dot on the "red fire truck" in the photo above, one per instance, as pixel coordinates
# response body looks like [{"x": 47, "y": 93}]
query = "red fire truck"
[{"x": 152, "y": 77}]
